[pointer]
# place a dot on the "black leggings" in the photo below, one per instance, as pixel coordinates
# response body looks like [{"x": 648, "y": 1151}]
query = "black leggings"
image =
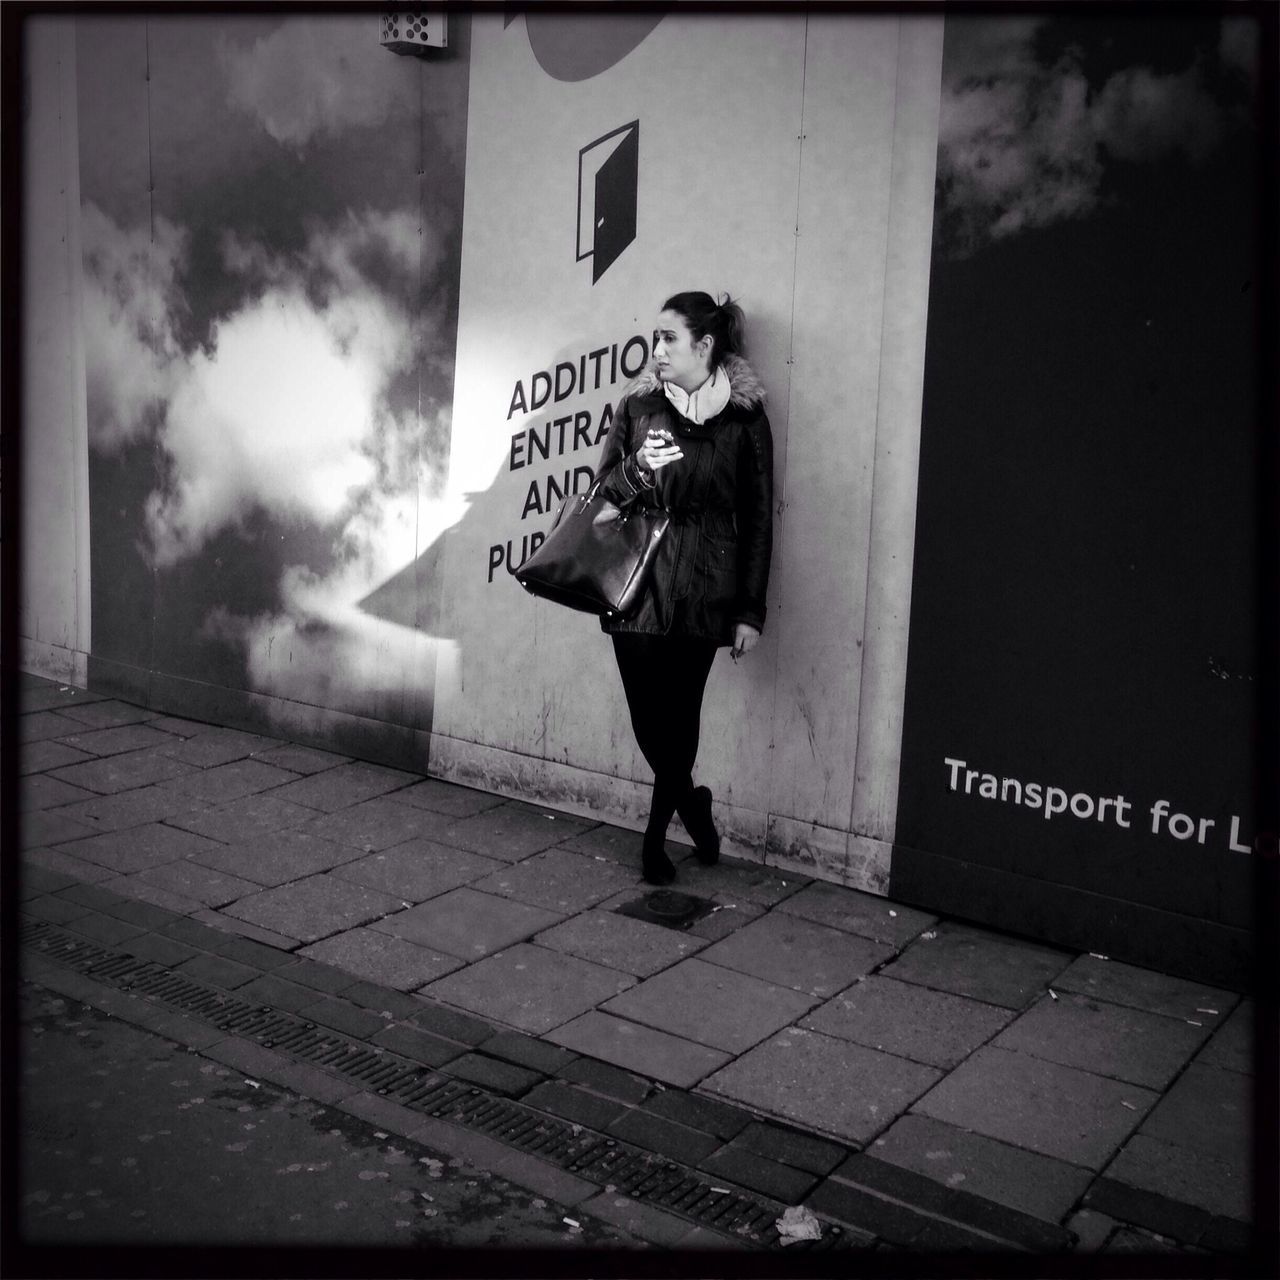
[{"x": 664, "y": 678}]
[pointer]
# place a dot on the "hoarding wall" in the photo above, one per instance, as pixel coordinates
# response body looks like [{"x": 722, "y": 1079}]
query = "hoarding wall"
[{"x": 317, "y": 337}]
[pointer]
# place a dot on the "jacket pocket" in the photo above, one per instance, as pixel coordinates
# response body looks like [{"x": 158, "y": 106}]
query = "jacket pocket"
[{"x": 718, "y": 553}]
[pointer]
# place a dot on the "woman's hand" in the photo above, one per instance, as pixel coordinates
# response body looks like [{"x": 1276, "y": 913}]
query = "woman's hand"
[
  {"x": 659, "y": 450},
  {"x": 744, "y": 640}
]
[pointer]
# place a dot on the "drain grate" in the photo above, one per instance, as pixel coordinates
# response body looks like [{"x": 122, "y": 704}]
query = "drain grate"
[{"x": 637, "y": 1173}]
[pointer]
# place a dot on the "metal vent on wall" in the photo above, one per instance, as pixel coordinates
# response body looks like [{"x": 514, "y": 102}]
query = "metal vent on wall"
[{"x": 413, "y": 31}]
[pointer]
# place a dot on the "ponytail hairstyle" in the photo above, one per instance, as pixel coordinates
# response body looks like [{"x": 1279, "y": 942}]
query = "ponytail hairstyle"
[{"x": 703, "y": 315}]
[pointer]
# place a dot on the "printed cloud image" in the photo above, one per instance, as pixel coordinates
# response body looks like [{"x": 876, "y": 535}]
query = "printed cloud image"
[
  {"x": 1036, "y": 115},
  {"x": 271, "y": 215}
]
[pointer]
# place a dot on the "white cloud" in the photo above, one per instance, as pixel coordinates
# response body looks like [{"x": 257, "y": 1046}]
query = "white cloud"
[
  {"x": 276, "y": 415},
  {"x": 319, "y": 76},
  {"x": 1024, "y": 144},
  {"x": 285, "y": 407},
  {"x": 1143, "y": 116},
  {"x": 129, "y": 298}
]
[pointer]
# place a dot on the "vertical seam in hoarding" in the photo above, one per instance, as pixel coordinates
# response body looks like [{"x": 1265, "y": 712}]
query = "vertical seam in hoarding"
[
  {"x": 779, "y": 499},
  {"x": 149, "y": 669},
  {"x": 419, "y": 349},
  {"x": 875, "y": 450},
  {"x": 69, "y": 116}
]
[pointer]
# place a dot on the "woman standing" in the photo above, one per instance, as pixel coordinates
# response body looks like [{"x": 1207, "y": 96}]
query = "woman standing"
[{"x": 690, "y": 436}]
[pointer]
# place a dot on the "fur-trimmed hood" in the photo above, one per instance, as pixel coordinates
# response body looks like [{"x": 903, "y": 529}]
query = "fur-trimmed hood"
[{"x": 745, "y": 388}]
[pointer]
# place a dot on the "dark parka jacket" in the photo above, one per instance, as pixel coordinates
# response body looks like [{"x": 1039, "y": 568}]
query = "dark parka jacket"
[{"x": 712, "y": 567}]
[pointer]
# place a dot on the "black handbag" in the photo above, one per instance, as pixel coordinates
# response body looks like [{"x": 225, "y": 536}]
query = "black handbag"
[{"x": 597, "y": 555}]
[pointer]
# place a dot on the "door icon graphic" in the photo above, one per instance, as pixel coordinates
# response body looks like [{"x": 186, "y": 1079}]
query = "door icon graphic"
[{"x": 608, "y": 174}]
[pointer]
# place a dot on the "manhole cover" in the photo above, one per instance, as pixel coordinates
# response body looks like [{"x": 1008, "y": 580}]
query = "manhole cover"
[
  {"x": 667, "y": 907},
  {"x": 672, "y": 905}
]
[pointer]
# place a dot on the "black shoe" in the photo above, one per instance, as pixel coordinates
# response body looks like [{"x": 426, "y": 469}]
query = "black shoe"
[
  {"x": 656, "y": 866},
  {"x": 696, "y": 816}
]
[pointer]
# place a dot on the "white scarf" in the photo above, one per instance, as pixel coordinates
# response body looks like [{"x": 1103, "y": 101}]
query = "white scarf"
[{"x": 703, "y": 403}]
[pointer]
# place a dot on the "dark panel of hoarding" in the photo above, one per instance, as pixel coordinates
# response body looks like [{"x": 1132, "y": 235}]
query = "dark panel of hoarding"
[{"x": 1078, "y": 754}]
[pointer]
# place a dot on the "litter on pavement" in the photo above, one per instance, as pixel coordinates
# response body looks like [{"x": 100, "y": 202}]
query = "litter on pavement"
[{"x": 797, "y": 1224}]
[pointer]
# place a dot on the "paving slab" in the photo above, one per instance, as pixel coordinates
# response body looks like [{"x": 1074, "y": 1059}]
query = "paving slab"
[
  {"x": 246, "y": 819},
  {"x": 1145, "y": 1243},
  {"x": 179, "y": 726},
  {"x": 711, "y": 1005},
  {"x": 558, "y": 880},
  {"x": 55, "y": 910},
  {"x": 417, "y": 869},
  {"x": 730, "y": 916},
  {"x": 189, "y": 880},
  {"x": 36, "y": 726},
  {"x": 980, "y": 964},
  {"x": 34, "y": 881},
  {"x": 1109, "y": 1039},
  {"x": 213, "y": 745},
  {"x": 529, "y": 987},
  {"x": 1209, "y": 1109},
  {"x": 344, "y": 785},
  {"x": 225, "y": 782},
  {"x": 135, "y": 887},
  {"x": 447, "y": 798},
  {"x": 127, "y": 771},
  {"x": 313, "y": 908},
  {"x": 655, "y": 1054},
  {"x": 277, "y": 857},
  {"x": 372, "y": 825},
  {"x": 805, "y": 1077},
  {"x": 614, "y": 1082},
  {"x": 743, "y": 881},
  {"x": 53, "y": 860},
  {"x": 800, "y": 1150},
  {"x": 512, "y": 831},
  {"x": 865, "y": 914},
  {"x": 1231, "y": 1046},
  {"x": 106, "y": 713},
  {"x": 615, "y": 844},
  {"x": 51, "y": 827},
  {"x": 303, "y": 761},
  {"x": 933, "y": 1027},
  {"x": 1035, "y": 1184},
  {"x": 129, "y": 809},
  {"x": 36, "y": 757},
  {"x": 133, "y": 849},
  {"x": 252, "y": 933},
  {"x": 527, "y": 1051},
  {"x": 620, "y": 942},
  {"x": 468, "y": 924},
  {"x": 1126, "y": 984},
  {"x": 382, "y": 958},
  {"x": 797, "y": 953},
  {"x": 1187, "y": 1176},
  {"x": 49, "y": 695},
  {"x": 100, "y": 743},
  {"x": 43, "y": 791},
  {"x": 1059, "y": 1111}
]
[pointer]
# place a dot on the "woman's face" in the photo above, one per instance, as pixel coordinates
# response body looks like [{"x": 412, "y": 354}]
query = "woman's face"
[{"x": 677, "y": 357}]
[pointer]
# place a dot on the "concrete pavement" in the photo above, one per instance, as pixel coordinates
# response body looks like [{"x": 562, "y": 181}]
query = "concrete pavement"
[{"x": 914, "y": 1082}]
